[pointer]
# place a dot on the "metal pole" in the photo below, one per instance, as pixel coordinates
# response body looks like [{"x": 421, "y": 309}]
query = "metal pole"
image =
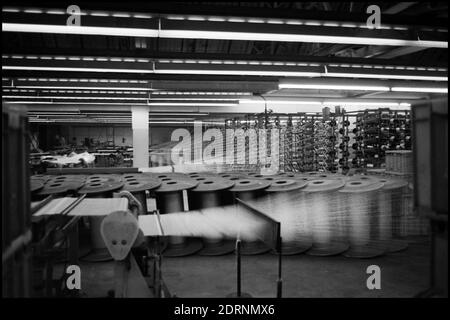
[
  {"x": 280, "y": 280},
  {"x": 159, "y": 263},
  {"x": 238, "y": 264}
]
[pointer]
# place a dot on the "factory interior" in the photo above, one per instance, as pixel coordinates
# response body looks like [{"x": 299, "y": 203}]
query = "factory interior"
[{"x": 225, "y": 150}]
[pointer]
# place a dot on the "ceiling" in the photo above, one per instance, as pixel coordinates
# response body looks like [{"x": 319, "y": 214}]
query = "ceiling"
[{"x": 208, "y": 57}]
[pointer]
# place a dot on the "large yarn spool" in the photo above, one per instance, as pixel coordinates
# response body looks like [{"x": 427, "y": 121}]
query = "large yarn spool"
[
  {"x": 327, "y": 223},
  {"x": 247, "y": 189},
  {"x": 137, "y": 185},
  {"x": 389, "y": 213},
  {"x": 294, "y": 233},
  {"x": 99, "y": 186},
  {"x": 209, "y": 193},
  {"x": 359, "y": 202},
  {"x": 171, "y": 196},
  {"x": 405, "y": 209}
]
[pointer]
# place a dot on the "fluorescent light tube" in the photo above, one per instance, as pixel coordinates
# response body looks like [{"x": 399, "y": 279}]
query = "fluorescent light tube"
[
  {"x": 253, "y": 36},
  {"x": 241, "y": 72},
  {"x": 270, "y": 102},
  {"x": 29, "y": 102},
  {"x": 74, "y": 98},
  {"x": 76, "y": 69},
  {"x": 193, "y": 99},
  {"x": 353, "y": 103},
  {"x": 326, "y": 103},
  {"x": 383, "y": 76},
  {"x": 170, "y": 122},
  {"x": 427, "y": 90},
  {"x": 83, "y": 30},
  {"x": 192, "y": 104},
  {"x": 79, "y": 102},
  {"x": 177, "y": 114},
  {"x": 85, "y": 88}
]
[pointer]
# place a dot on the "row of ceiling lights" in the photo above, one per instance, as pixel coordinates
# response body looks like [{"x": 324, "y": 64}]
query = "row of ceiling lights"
[
  {"x": 118, "y": 121},
  {"x": 157, "y": 93},
  {"x": 281, "y": 73},
  {"x": 47, "y": 113},
  {"x": 75, "y": 91},
  {"x": 227, "y": 62},
  {"x": 189, "y": 96},
  {"x": 124, "y": 120},
  {"x": 253, "y": 103},
  {"x": 214, "y": 18},
  {"x": 78, "y": 80},
  {"x": 439, "y": 88},
  {"x": 239, "y": 72}
]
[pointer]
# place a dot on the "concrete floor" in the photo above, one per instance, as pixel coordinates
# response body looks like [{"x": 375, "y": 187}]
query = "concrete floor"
[{"x": 403, "y": 274}]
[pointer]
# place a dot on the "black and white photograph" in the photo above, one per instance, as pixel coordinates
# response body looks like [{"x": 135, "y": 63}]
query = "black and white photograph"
[{"x": 171, "y": 149}]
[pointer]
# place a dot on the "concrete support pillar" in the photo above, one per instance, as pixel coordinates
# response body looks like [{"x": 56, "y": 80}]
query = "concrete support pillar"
[{"x": 140, "y": 127}]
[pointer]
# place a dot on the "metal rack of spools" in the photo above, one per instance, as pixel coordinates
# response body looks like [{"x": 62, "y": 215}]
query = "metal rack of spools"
[
  {"x": 306, "y": 140},
  {"x": 334, "y": 141},
  {"x": 377, "y": 131}
]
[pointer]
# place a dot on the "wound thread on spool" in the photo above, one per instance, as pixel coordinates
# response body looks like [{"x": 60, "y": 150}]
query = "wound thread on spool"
[
  {"x": 247, "y": 189},
  {"x": 138, "y": 184},
  {"x": 359, "y": 202},
  {"x": 171, "y": 197},
  {"x": 276, "y": 204},
  {"x": 389, "y": 209},
  {"x": 209, "y": 193},
  {"x": 325, "y": 221}
]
